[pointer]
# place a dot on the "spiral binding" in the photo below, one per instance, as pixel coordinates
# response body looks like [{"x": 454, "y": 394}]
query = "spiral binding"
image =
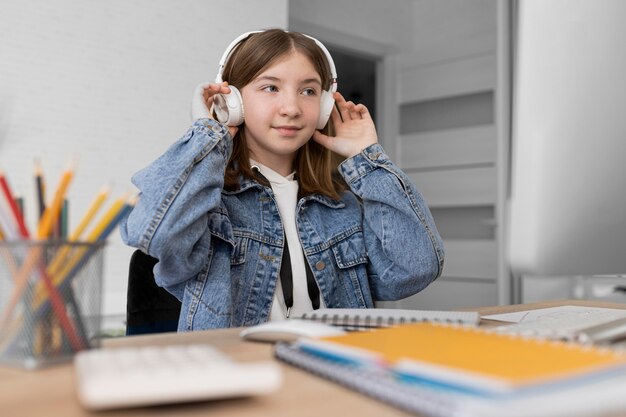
[{"x": 353, "y": 322}]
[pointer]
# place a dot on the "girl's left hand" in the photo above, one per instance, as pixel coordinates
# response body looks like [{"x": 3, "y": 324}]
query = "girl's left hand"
[
  {"x": 202, "y": 101},
  {"x": 354, "y": 129}
]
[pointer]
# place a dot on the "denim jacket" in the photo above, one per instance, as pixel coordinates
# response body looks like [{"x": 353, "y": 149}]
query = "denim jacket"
[{"x": 220, "y": 251}]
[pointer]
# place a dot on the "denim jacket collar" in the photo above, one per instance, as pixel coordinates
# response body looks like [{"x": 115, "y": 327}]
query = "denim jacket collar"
[{"x": 247, "y": 183}]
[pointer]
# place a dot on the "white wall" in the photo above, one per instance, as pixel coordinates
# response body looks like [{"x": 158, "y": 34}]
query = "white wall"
[
  {"x": 439, "y": 21},
  {"x": 109, "y": 82},
  {"x": 368, "y": 25},
  {"x": 398, "y": 27}
]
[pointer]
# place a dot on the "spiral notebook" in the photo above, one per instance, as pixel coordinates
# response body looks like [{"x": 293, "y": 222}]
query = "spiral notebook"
[
  {"x": 447, "y": 370},
  {"x": 369, "y": 318}
]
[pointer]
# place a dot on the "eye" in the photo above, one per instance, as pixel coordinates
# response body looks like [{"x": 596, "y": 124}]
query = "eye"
[
  {"x": 270, "y": 88},
  {"x": 309, "y": 91}
]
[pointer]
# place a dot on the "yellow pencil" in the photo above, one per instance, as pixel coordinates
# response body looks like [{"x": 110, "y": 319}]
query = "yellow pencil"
[
  {"x": 106, "y": 219},
  {"x": 91, "y": 212},
  {"x": 95, "y": 205},
  {"x": 52, "y": 212},
  {"x": 78, "y": 254}
]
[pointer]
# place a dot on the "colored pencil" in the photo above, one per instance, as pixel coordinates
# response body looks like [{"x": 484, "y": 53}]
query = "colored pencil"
[
  {"x": 57, "y": 277},
  {"x": 9, "y": 227},
  {"x": 33, "y": 259},
  {"x": 101, "y": 226},
  {"x": 51, "y": 214},
  {"x": 65, "y": 213},
  {"x": 8, "y": 195},
  {"x": 41, "y": 188},
  {"x": 119, "y": 209},
  {"x": 95, "y": 205}
]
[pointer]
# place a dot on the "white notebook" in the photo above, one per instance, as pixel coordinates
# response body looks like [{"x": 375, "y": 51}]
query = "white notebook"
[{"x": 366, "y": 318}]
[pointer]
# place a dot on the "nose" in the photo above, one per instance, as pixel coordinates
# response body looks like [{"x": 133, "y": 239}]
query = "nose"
[{"x": 290, "y": 105}]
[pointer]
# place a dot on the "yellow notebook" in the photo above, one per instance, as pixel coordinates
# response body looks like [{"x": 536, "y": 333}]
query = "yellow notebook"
[{"x": 467, "y": 358}]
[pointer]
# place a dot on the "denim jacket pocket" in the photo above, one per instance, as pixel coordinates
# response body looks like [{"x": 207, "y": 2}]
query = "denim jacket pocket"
[
  {"x": 350, "y": 251},
  {"x": 240, "y": 250},
  {"x": 219, "y": 225},
  {"x": 350, "y": 255}
]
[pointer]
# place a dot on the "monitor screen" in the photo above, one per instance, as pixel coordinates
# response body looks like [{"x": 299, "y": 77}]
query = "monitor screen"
[{"x": 568, "y": 167}]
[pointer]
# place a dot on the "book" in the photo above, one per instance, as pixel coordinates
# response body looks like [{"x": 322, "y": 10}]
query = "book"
[
  {"x": 369, "y": 318},
  {"x": 466, "y": 359},
  {"x": 600, "y": 397}
]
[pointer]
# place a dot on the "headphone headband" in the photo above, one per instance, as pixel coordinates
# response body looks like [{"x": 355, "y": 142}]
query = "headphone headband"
[{"x": 234, "y": 43}]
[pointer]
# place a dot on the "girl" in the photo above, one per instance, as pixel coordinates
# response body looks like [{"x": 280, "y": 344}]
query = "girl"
[{"x": 254, "y": 222}]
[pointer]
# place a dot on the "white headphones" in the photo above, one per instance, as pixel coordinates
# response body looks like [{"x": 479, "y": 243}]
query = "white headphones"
[{"x": 229, "y": 107}]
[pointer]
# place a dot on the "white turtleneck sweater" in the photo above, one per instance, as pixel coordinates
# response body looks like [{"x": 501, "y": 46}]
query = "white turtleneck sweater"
[{"x": 286, "y": 194}]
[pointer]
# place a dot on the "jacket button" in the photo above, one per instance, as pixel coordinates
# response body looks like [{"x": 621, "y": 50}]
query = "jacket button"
[{"x": 320, "y": 265}]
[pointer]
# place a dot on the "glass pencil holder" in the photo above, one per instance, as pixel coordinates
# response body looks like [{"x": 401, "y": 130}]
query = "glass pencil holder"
[{"x": 50, "y": 300}]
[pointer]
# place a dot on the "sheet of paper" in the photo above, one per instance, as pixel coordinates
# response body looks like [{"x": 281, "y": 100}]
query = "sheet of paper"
[{"x": 532, "y": 315}]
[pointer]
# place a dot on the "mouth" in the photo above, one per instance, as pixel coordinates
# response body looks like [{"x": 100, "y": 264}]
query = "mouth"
[{"x": 287, "y": 130}]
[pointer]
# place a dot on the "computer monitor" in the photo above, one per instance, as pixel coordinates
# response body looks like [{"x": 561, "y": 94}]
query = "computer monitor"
[{"x": 568, "y": 179}]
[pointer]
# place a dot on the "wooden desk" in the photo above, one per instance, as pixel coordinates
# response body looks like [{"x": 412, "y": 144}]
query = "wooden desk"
[{"x": 51, "y": 392}]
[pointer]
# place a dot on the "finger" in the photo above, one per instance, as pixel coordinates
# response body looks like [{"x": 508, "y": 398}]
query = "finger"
[
  {"x": 364, "y": 112},
  {"x": 358, "y": 111},
  {"x": 223, "y": 88},
  {"x": 211, "y": 89},
  {"x": 340, "y": 103},
  {"x": 322, "y": 139},
  {"x": 335, "y": 116},
  {"x": 345, "y": 109},
  {"x": 353, "y": 111},
  {"x": 339, "y": 97}
]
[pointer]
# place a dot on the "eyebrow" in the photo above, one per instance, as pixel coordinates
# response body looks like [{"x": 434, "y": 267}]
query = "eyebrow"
[{"x": 306, "y": 81}]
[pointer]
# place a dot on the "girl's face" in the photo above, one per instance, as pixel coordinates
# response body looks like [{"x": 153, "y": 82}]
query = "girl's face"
[{"x": 281, "y": 109}]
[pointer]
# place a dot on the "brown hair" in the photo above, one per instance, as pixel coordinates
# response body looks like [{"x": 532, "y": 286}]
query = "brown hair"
[{"x": 315, "y": 166}]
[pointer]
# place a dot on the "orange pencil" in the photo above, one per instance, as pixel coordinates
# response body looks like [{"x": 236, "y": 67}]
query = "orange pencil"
[{"x": 51, "y": 214}]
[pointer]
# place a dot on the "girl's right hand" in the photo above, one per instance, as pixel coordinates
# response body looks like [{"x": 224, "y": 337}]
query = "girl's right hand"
[{"x": 203, "y": 98}]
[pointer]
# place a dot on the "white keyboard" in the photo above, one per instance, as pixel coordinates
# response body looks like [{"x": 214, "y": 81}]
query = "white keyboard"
[
  {"x": 138, "y": 376},
  {"x": 564, "y": 325}
]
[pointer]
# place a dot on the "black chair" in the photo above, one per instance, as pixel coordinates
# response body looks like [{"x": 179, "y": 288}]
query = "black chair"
[{"x": 149, "y": 308}]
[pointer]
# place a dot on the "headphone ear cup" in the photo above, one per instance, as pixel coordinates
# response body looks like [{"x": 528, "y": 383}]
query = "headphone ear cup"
[
  {"x": 229, "y": 107},
  {"x": 326, "y": 107}
]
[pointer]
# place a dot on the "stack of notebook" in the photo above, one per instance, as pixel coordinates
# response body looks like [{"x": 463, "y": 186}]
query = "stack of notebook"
[{"x": 459, "y": 370}]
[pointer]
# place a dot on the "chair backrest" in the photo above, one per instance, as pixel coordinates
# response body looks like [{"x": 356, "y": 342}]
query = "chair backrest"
[{"x": 149, "y": 308}]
